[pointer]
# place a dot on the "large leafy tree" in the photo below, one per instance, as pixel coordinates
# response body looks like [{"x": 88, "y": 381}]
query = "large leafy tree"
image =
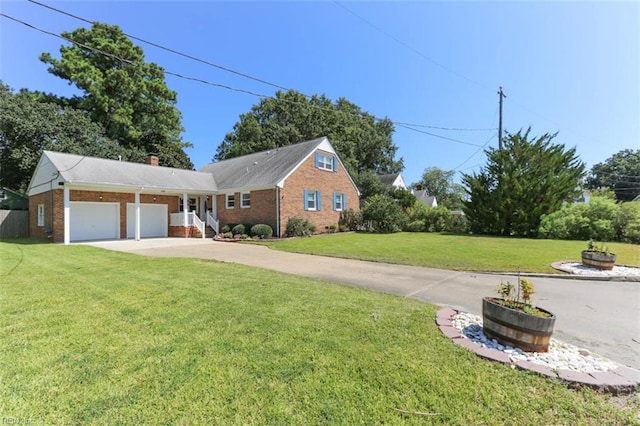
[
  {"x": 30, "y": 124},
  {"x": 528, "y": 178},
  {"x": 125, "y": 95},
  {"x": 620, "y": 172},
  {"x": 439, "y": 183},
  {"x": 362, "y": 141}
]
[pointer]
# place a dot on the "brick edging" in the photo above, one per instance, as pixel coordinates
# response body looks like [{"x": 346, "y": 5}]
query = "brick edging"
[{"x": 622, "y": 380}]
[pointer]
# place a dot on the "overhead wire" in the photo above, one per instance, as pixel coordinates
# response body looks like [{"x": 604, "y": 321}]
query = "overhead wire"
[
  {"x": 406, "y": 45},
  {"x": 176, "y": 52},
  {"x": 227, "y": 69},
  {"x": 223, "y": 86}
]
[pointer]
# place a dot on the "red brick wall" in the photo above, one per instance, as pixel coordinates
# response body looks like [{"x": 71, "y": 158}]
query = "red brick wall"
[
  {"x": 36, "y": 231},
  {"x": 308, "y": 177},
  {"x": 262, "y": 209},
  {"x": 56, "y": 197}
]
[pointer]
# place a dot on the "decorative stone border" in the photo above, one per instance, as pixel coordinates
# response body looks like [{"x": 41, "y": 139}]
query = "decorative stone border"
[{"x": 622, "y": 380}]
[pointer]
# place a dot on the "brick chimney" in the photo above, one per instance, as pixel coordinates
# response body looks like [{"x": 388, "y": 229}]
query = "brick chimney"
[{"x": 152, "y": 160}]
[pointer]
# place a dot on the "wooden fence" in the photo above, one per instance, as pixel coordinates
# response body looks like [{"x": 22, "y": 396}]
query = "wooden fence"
[{"x": 14, "y": 223}]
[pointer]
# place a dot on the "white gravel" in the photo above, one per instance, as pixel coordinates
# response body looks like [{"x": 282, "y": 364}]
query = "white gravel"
[
  {"x": 561, "y": 356},
  {"x": 617, "y": 271}
]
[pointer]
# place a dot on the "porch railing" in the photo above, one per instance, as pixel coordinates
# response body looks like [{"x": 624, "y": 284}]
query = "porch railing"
[
  {"x": 195, "y": 221},
  {"x": 213, "y": 222},
  {"x": 177, "y": 219}
]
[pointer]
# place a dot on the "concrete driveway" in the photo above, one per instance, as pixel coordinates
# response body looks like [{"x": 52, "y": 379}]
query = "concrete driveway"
[{"x": 602, "y": 316}]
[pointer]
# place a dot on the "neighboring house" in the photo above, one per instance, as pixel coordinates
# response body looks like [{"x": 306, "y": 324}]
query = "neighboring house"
[
  {"x": 394, "y": 179},
  {"x": 79, "y": 198},
  {"x": 423, "y": 196},
  {"x": 13, "y": 200}
]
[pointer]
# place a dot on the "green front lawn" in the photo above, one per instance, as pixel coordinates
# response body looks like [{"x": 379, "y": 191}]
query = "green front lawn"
[
  {"x": 91, "y": 336},
  {"x": 453, "y": 252}
]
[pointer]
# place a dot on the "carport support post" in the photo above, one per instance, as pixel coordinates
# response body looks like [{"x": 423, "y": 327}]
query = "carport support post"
[
  {"x": 138, "y": 216},
  {"x": 67, "y": 215}
]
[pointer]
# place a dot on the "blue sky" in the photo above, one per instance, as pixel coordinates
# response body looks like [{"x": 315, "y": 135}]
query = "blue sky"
[{"x": 571, "y": 67}]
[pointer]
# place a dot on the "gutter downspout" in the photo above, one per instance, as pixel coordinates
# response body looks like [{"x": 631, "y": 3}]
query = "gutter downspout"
[{"x": 278, "y": 211}]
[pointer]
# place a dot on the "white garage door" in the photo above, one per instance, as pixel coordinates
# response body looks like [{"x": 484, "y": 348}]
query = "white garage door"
[
  {"x": 153, "y": 220},
  {"x": 94, "y": 221}
]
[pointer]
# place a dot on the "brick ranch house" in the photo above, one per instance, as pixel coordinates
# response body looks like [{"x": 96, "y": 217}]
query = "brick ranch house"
[{"x": 79, "y": 198}]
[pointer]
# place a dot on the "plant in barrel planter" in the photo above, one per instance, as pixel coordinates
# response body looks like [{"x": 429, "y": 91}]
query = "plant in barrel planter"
[
  {"x": 513, "y": 321},
  {"x": 598, "y": 256}
]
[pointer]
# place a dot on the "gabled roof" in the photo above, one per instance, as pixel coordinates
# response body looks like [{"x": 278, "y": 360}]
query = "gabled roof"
[
  {"x": 393, "y": 179},
  {"x": 92, "y": 171},
  {"x": 389, "y": 179},
  {"x": 424, "y": 197},
  {"x": 263, "y": 169}
]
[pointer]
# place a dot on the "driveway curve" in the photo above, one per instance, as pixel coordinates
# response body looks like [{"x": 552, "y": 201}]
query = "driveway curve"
[{"x": 601, "y": 316}]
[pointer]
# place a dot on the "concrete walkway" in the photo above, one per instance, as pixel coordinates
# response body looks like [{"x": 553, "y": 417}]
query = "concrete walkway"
[{"x": 602, "y": 316}]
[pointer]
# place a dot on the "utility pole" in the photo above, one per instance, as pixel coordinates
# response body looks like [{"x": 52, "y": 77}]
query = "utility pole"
[{"x": 501, "y": 95}]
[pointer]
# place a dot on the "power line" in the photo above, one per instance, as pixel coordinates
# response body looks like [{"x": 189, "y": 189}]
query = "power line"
[
  {"x": 249, "y": 92},
  {"x": 408, "y": 46},
  {"x": 227, "y": 69},
  {"x": 259, "y": 80},
  {"x": 435, "y": 135},
  {"x": 477, "y": 151},
  {"x": 455, "y": 129}
]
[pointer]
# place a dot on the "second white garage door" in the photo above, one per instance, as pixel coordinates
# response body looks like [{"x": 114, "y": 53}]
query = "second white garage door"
[{"x": 153, "y": 220}]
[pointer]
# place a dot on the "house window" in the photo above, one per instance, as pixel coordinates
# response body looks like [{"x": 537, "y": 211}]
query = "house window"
[
  {"x": 231, "y": 201},
  {"x": 40, "y": 214},
  {"x": 191, "y": 204},
  {"x": 325, "y": 162},
  {"x": 245, "y": 200},
  {"x": 339, "y": 201},
  {"x": 312, "y": 200}
]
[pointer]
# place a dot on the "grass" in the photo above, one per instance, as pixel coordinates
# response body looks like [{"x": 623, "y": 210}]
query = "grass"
[
  {"x": 91, "y": 336},
  {"x": 453, "y": 252}
]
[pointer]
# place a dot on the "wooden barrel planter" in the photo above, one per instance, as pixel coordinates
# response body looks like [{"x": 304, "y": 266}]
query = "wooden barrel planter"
[
  {"x": 511, "y": 327},
  {"x": 598, "y": 260}
]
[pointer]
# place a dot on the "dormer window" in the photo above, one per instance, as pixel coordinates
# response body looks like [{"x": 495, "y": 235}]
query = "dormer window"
[{"x": 326, "y": 162}]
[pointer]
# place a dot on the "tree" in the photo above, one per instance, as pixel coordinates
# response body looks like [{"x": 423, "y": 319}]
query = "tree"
[
  {"x": 29, "y": 125},
  {"x": 439, "y": 183},
  {"x": 620, "y": 172},
  {"x": 520, "y": 183},
  {"x": 362, "y": 141},
  {"x": 125, "y": 95}
]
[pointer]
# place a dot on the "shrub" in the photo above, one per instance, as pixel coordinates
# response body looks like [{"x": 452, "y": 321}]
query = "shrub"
[
  {"x": 333, "y": 228},
  {"x": 342, "y": 228},
  {"x": 227, "y": 228},
  {"x": 238, "y": 229},
  {"x": 384, "y": 213},
  {"x": 351, "y": 219},
  {"x": 227, "y": 235},
  {"x": 415, "y": 226},
  {"x": 602, "y": 219},
  {"x": 298, "y": 227},
  {"x": 627, "y": 222},
  {"x": 261, "y": 230}
]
